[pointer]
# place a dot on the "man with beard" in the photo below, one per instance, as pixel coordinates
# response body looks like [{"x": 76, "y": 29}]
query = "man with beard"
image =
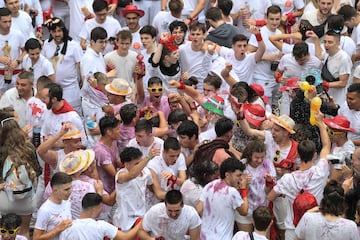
[
  {"x": 61, "y": 112},
  {"x": 17, "y": 97},
  {"x": 132, "y": 16},
  {"x": 318, "y": 16}
]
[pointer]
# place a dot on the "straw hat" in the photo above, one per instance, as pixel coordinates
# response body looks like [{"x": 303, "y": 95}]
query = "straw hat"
[
  {"x": 339, "y": 123},
  {"x": 254, "y": 114},
  {"x": 75, "y": 162},
  {"x": 119, "y": 87},
  {"x": 285, "y": 122},
  {"x": 215, "y": 104},
  {"x": 72, "y": 133}
]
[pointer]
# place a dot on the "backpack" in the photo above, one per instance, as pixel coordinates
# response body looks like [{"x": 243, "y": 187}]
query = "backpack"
[{"x": 304, "y": 201}]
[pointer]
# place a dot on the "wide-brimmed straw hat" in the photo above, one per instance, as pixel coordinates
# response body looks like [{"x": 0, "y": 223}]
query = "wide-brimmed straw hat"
[
  {"x": 119, "y": 87},
  {"x": 285, "y": 122},
  {"x": 76, "y": 161}
]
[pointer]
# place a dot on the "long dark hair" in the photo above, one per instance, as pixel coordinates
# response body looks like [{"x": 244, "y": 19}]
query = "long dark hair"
[{"x": 52, "y": 24}]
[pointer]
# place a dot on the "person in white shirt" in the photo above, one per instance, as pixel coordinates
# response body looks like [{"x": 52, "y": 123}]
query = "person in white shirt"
[
  {"x": 54, "y": 215},
  {"x": 336, "y": 75},
  {"x": 319, "y": 16},
  {"x": 220, "y": 199},
  {"x": 171, "y": 220},
  {"x": 262, "y": 219},
  {"x": 111, "y": 25},
  {"x": 310, "y": 177},
  {"x": 86, "y": 227},
  {"x": 35, "y": 62},
  {"x": 80, "y": 10}
]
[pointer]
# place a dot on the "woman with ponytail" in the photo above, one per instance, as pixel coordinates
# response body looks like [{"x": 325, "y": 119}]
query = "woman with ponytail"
[{"x": 328, "y": 223}]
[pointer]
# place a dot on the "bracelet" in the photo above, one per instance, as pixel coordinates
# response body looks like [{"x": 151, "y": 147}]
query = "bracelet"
[
  {"x": 270, "y": 184},
  {"x": 258, "y": 37},
  {"x": 243, "y": 192},
  {"x": 149, "y": 157},
  {"x": 278, "y": 77},
  {"x": 182, "y": 85}
]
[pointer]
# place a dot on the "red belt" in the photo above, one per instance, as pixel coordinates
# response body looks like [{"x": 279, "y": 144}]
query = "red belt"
[{"x": 16, "y": 71}]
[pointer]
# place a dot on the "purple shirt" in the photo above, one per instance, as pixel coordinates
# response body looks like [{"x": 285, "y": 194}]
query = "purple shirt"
[
  {"x": 127, "y": 133},
  {"x": 105, "y": 155},
  {"x": 163, "y": 106}
]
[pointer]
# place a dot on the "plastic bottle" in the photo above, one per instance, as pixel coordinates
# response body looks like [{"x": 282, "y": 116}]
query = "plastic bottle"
[
  {"x": 90, "y": 122},
  {"x": 314, "y": 107},
  {"x": 36, "y": 139}
]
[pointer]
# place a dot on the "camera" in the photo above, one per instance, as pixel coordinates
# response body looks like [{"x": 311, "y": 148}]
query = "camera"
[{"x": 274, "y": 65}]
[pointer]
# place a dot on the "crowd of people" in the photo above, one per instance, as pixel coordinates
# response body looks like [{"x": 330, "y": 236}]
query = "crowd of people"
[{"x": 180, "y": 119}]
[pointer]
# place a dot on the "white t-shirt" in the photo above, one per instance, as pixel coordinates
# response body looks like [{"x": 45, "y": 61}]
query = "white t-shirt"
[
  {"x": 295, "y": 5},
  {"x": 219, "y": 203},
  {"x": 111, "y": 25},
  {"x": 191, "y": 192},
  {"x": 42, "y": 67},
  {"x": 196, "y": 63},
  {"x": 262, "y": 71},
  {"x": 162, "y": 21},
  {"x": 51, "y": 214},
  {"x": 244, "y": 69},
  {"x": 130, "y": 199},
  {"x": 157, "y": 221},
  {"x": 313, "y": 226},
  {"x": 312, "y": 180},
  {"x": 245, "y": 236},
  {"x": 12, "y": 99},
  {"x": 92, "y": 62},
  {"x": 159, "y": 143},
  {"x": 336, "y": 69},
  {"x": 77, "y": 18},
  {"x": 354, "y": 118},
  {"x": 291, "y": 68},
  {"x": 23, "y": 24},
  {"x": 88, "y": 228},
  {"x": 125, "y": 66}
]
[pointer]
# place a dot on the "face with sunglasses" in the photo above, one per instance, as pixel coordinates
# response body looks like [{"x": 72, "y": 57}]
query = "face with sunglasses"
[
  {"x": 8, "y": 234},
  {"x": 334, "y": 132},
  {"x": 155, "y": 91}
]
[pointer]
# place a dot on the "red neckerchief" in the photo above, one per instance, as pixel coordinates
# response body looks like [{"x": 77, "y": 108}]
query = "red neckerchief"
[{"x": 64, "y": 109}]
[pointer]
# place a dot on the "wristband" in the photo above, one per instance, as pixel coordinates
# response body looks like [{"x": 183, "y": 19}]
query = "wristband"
[
  {"x": 141, "y": 113},
  {"x": 278, "y": 77},
  {"x": 39, "y": 29},
  {"x": 182, "y": 85},
  {"x": 108, "y": 68},
  {"x": 243, "y": 192},
  {"x": 240, "y": 115},
  {"x": 260, "y": 23},
  {"x": 270, "y": 184},
  {"x": 149, "y": 157},
  {"x": 171, "y": 181},
  {"x": 258, "y": 37}
]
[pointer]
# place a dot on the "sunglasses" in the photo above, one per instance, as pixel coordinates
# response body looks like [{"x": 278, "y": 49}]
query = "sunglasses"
[
  {"x": 154, "y": 90},
  {"x": 5, "y": 120},
  {"x": 12, "y": 232},
  {"x": 333, "y": 132},
  {"x": 277, "y": 156}
]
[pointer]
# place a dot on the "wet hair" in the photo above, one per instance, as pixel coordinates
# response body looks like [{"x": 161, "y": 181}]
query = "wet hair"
[
  {"x": 55, "y": 91},
  {"x": 301, "y": 49},
  {"x": 128, "y": 113},
  {"x": 214, "y": 14},
  {"x": 239, "y": 91},
  {"x": 334, "y": 34},
  {"x": 355, "y": 87},
  {"x": 100, "y": 77},
  {"x": 335, "y": 22},
  {"x": 239, "y": 38},
  {"x": 274, "y": 9},
  {"x": 99, "y": 5},
  {"x": 253, "y": 146},
  {"x": 52, "y": 24},
  {"x": 306, "y": 150},
  {"x": 31, "y": 44},
  {"x": 176, "y": 116},
  {"x": 42, "y": 82},
  {"x": 108, "y": 123},
  {"x": 173, "y": 197},
  {"x": 129, "y": 154},
  {"x": 149, "y": 30},
  {"x": 223, "y": 126},
  {"x": 198, "y": 26},
  {"x": 143, "y": 125},
  {"x": 176, "y": 6},
  {"x": 60, "y": 178},
  {"x": 214, "y": 81},
  {"x": 203, "y": 171},
  {"x": 188, "y": 128},
  {"x": 347, "y": 12},
  {"x": 225, "y": 6},
  {"x": 4, "y": 12},
  {"x": 98, "y": 33},
  {"x": 91, "y": 200},
  {"x": 124, "y": 35},
  {"x": 333, "y": 200},
  {"x": 262, "y": 218},
  {"x": 154, "y": 80},
  {"x": 10, "y": 221},
  {"x": 171, "y": 143},
  {"x": 231, "y": 165},
  {"x": 178, "y": 24}
]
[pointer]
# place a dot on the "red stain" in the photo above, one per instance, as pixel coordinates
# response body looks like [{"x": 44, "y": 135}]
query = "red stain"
[
  {"x": 35, "y": 109},
  {"x": 219, "y": 186}
]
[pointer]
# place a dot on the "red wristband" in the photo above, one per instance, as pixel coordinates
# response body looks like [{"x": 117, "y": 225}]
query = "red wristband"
[
  {"x": 278, "y": 77},
  {"x": 270, "y": 184},
  {"x": 141, "y": 113},
  {"x": 243, "y": 192},
  {"x": 108, "y": 68},
  {"x": 258, "y": 37},
  {"x": 182, "y": 85},
  {"x": 260, "y": 23}
]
